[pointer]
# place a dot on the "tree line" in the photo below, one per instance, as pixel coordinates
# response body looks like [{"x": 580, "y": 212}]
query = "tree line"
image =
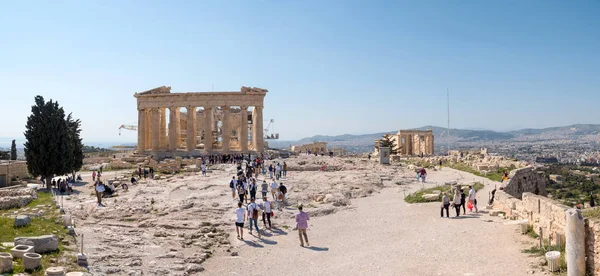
[{"x": 53, "y": 143}]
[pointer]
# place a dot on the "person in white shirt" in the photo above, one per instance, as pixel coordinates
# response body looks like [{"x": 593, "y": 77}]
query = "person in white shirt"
[
  {"x": 274, "y": 188},
  {"x": 266, "y": 212},
  {"x": 240, "y": 217},
  {"x": 473, "y": 197},
  {"x": 456, "y": 201},
  {"x": 203, "y": 169}
]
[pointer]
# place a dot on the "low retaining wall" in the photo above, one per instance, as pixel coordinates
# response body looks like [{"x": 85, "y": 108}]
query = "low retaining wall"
[{"x": 550, "y": 215}]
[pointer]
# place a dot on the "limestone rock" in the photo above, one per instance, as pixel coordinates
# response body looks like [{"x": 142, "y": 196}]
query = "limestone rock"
[
  {"x": 22, "y": 220},
  {"x": 55, "y": 271},
  {"x": 41, "y": 244},
  {"x": 6, "y": 262},
  {"x": 431, "y": 197}
]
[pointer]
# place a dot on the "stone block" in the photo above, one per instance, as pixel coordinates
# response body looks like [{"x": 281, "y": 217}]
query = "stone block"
[
  {"x": 74, "y": 274},
  {"x": 6, "y": 262},
  {"x": 20, "y": 250},
  {"x": 32, "y": 261},
  {"x": 55, "y": 271},
  {"x": 431, "y": 197},
  {"x": 41, "y": 244},
  {"x": 22, "y": 220}
]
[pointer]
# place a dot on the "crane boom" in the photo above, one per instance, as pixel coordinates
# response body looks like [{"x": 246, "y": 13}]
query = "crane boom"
[{"x": 128, "y": 127}]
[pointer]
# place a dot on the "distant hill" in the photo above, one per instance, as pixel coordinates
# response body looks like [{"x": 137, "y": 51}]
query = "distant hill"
[{"x": 364, "y": 142}]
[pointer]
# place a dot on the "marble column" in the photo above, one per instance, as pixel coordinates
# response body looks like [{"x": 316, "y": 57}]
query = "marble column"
[
  {"x": 177, "y": 127},
  {"x": 155, "y": 129},
  {"x": 257, "y": 129},
  {"x": 225, "y": 132},
  {"x": 432, "y": 144},
  {"x": 208, "y": 129},
  {"x": 148, "y": 132},
  {"x": 244, "y": 130},
  {"x": 141, "y": 130},
  {"x": 164, "y": 143},
  {"x": 172, "y": 129},
  {"x": 191, "y": 128}
]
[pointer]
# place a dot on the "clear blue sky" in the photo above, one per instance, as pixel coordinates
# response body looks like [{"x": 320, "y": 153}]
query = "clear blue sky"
[{"x": 332, "y": 67}]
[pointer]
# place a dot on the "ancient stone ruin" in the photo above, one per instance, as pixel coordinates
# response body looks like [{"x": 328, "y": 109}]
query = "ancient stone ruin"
[
  {"x": 525, "y": 180},
  {"x": 214, "y": 122}
]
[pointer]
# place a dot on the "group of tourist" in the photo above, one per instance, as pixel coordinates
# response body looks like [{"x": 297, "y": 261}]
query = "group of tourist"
[
  {"x": 146, "y": 172},
  {"x": 64, "y": 185},
  {"x": 245, "y": 187},
  {"x": 458, "y": 200}
]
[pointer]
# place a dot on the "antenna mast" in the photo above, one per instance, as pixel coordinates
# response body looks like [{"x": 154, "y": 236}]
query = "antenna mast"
[{"x": 448, "y": 99}]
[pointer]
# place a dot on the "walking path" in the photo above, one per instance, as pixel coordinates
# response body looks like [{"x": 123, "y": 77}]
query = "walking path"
[{"x": 383, "y": 235}]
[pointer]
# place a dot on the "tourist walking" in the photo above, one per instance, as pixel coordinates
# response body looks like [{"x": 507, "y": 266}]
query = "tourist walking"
[
  {"x": 203, "y": 169},
  {"x": 232, "y": 185},
  {"x": 94, "y": 176},
  {"x": 253, "y": 216},
  {"x": 99, "y": 192},
  {"x": 270, "y": 170},
  {"x": 463, "y": 198},
  {"x": 241, "y": 189},
  {"x": 284, "y": 190},
  {"x": 445, "y": 205},
  {"x": 278, "y": 171},
  {"x": 279, "y": 198},
  {"x": 267, "y": 212},
  {"x": 456, "y": 201},
  {"x": 264, "y": 188},
  {"x": 302, "y": 224},
  {"x": 423, "y": 174},
  {"x": 284, "y": 169},
  {"x": 240, "y": 217},
  {"x": 274, "y": 188},
  {"x": 473, "y": 197},
  {"x": 252, "y": 188}
]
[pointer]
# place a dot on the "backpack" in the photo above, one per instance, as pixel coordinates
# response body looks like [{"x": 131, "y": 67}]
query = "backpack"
[
  {"x": 255, "y": 211},
  {"x": 231, "y": 184},
  {"x": 241, "y": 189},
  {"x": 280, "y": 196}
]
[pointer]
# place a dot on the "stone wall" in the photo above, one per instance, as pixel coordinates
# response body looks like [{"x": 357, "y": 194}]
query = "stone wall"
[
  {"x": 525, "y": 180},
  {"x": 16, "y": 169},
  {"x": 549, "y": 214},
  {"x": 16, "y": 197}
]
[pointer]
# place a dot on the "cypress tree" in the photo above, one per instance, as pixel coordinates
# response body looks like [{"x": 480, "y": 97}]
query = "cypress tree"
[
  {"x": 74, "y": 157},
  {"x": 13, "y": 151},
  {"x": 46, "y": 140}
]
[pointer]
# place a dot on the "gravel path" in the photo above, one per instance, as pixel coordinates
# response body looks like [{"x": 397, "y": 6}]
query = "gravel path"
[{"x": 383, "y": 235}]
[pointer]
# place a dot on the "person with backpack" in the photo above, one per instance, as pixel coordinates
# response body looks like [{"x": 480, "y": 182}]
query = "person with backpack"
[
  {"x": 284, "y": 190},
  {"x": 280, "y": 197},
  {"x": 274, "y": 188},
  {"x": 270, "y": 170},
  {"x": 253, "y": 216},
  {"x": 241, "y": 189},
  {"x": 232, "y": 185}
]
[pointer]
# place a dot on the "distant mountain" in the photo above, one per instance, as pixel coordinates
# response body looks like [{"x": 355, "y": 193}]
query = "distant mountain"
[{"x": 365, "y": 142}]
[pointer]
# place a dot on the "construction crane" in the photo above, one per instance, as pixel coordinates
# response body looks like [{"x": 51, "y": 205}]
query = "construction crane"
[
  {"x": 128, "y": 127},
  {"x": 270, "y": 131}
]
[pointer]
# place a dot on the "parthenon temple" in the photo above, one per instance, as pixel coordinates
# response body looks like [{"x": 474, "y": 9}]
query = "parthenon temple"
[{"x": 200, "y": 122}]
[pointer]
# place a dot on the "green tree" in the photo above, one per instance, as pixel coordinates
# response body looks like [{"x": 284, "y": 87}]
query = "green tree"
[
  {"x": 13, "y": 151},
  {"x": 388, "y": 141},
  {"x": 74, "y": 157},
  {"x": 46, "y": 140}
]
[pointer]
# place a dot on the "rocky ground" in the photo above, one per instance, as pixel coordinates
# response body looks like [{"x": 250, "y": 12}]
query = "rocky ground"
[{"x": 183, "y": 225}]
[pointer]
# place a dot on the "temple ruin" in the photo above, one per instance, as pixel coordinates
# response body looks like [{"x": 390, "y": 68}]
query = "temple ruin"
[
  {"x": 200, "y": 122},
  {"x": 411, "y": 142}
]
